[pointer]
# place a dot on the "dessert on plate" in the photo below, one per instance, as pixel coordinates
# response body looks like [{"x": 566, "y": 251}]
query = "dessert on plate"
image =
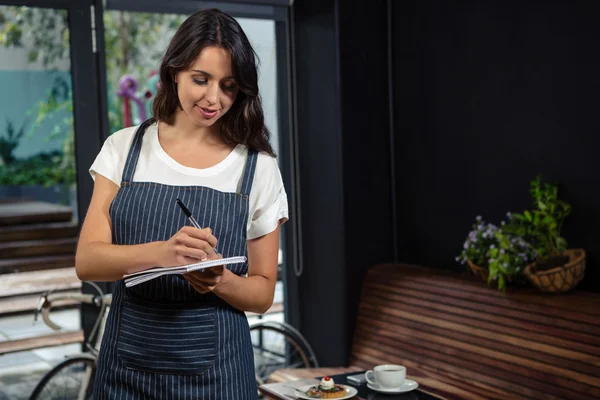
[{"x": 326, "y": 389}]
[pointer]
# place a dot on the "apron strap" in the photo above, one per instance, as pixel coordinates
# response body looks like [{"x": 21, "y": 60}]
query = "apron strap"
[
  {"x": 134, "y": 151},
  {"x": 249, "y": 172}
]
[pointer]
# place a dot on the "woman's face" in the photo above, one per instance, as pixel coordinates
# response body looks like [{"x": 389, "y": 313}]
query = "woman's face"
[{"x": 207, "y": 89}]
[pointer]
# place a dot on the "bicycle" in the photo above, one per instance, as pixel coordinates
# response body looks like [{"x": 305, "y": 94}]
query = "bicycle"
[
  {"x": 279, "y": 345},
  {"x": 73, "y": 378},
  {"x": 275, "y": 344}
]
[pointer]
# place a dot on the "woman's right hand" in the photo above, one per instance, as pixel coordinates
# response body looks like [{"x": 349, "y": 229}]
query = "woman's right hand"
[{"x": 187, "y": 246}]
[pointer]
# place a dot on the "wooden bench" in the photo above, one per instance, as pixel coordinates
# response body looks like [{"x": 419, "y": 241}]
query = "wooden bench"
[{"x": 461, "y": 339}]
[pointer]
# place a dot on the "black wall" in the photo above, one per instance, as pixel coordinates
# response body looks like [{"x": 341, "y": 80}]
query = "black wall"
[
  {"x": 487, "y": 95},
  {"x": 344, "y": 155}
]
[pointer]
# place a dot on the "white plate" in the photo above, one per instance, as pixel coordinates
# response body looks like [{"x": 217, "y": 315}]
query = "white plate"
[
  {"x": 407, "y": 386},
  {"x": 301, "y": 392}
]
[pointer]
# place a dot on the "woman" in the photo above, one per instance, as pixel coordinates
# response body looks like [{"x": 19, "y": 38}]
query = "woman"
[{"x": 187, "y": 337}]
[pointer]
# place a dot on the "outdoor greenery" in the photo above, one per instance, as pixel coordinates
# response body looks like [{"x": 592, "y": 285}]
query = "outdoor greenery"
[
  {"x": 9, "y": 142},
  {"x": 130, "y": 46},
  {"x": 36, "y": 170}
]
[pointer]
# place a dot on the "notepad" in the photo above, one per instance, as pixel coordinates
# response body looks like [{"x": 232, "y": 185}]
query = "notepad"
[{"x": 144, "y": 276}]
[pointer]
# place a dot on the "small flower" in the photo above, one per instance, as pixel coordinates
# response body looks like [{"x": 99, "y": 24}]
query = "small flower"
[
  {"x": 466, "y": 245},
  {"x": 457, "y": 259},
  {"x": 502, "y": 223},
  {"x": 492, "y": 246},
  {"x": 505, "y": 265},
  {"x": 508, "y": 214},
  {"x": 502, "y": 251},
  {"x": 478, "y": 219}
]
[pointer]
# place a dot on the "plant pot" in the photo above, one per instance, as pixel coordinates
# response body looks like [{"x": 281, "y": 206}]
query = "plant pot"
[
  {"x": 559, "y": 279},
  {"x": 484, "y": 274},
  {"x": 481, "y": 272}
]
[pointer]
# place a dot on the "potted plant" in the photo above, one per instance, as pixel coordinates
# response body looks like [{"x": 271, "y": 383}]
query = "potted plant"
[
  {"x": 494, "y": 254},
  {"x": 556, "y": 268}
]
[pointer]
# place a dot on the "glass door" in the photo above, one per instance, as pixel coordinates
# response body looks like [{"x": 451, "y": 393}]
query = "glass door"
[
  {"x": 38, "y": 181},
  {"x": 49, "y": 133},
  {"x": 61, "y": 62}
]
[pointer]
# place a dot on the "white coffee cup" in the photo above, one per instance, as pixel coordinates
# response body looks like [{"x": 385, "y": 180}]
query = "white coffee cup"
[{"x": 387, "y": 376}]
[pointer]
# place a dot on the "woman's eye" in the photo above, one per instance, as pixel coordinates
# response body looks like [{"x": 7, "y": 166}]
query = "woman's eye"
[
  {"x": 200, "y": 82},
  {"x": 229, "y": 87}
]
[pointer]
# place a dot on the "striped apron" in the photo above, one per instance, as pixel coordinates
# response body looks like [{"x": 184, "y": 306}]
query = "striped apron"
[{"x": 163, "y": 339}]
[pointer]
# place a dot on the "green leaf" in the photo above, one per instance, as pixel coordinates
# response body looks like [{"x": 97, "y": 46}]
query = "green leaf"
[
  {"x": 32, "y": 56},
  {"x": 501, "y": 283},
  {"x": 547, "y": 220}
]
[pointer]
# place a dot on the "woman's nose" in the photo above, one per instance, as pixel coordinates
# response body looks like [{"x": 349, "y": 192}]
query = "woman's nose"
[{"x": 212, "y": 93}]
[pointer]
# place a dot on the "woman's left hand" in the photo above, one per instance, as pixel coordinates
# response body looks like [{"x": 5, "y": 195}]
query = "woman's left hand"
[{"x": 206, "y": 280}]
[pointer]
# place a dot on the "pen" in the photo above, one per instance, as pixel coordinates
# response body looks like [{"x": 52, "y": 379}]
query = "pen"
[{"x": 189, "y": 216}]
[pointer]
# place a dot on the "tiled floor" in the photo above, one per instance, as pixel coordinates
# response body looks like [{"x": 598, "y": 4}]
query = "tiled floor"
[{"x": 20, "y": 372}]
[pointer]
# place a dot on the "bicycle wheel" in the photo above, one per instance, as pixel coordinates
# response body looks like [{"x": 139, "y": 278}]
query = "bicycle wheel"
[
  {"x": 72, "y": 379},
  {"x": 278, "y": 345}
]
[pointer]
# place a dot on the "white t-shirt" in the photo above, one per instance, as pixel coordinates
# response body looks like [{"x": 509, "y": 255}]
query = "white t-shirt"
[{"x": 268, "y": 199}]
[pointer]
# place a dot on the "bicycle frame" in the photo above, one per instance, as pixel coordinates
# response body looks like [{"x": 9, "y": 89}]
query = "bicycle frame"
[{"x": 103, "y": 301}]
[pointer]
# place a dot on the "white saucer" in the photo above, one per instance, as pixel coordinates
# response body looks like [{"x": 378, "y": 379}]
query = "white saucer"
[
  {"x": 301, "y": 392},
  {"x": 407, "y": 386}
]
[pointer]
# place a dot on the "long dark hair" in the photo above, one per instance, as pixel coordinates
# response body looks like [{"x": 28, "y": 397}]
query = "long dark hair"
[{"x": 244, "y": 122}]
